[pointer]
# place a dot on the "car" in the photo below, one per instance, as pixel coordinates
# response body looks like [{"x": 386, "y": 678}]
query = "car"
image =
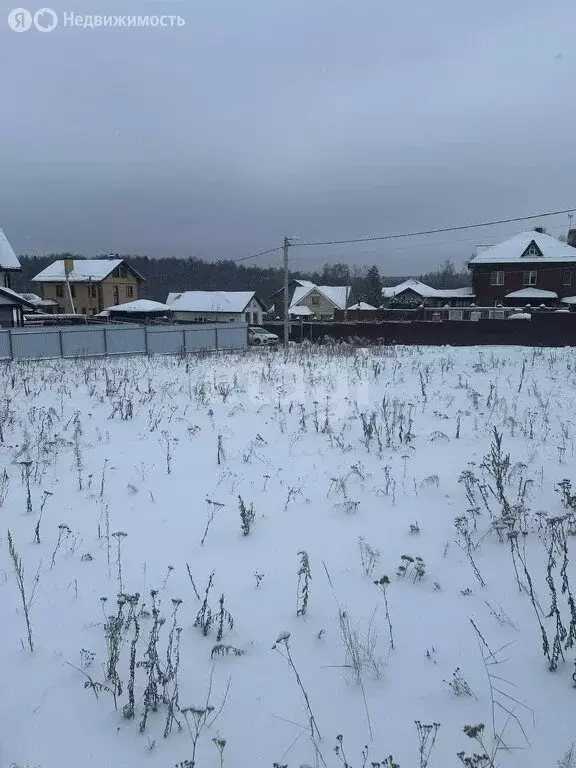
[{"x": 259, "y": 337}]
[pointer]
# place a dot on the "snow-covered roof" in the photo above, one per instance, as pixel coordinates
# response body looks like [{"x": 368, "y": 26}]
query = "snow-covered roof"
[
  {"x": 336, "y": 294},
  {"x": 38, "y": 300},
  {"x": 8, "y": 293},
  {"x": 82, "y": 271},
  {"x": 531, "y": 246},
  {"x": 140, "y": 305},
  {"x": 520, "y": 316},
  {"x": 363, "y": 305},
  {"x": 532, "y": 293},
  {"x": 426, "y": 291},
  {"x": 454, "y": 293},
  {"x": 301, "y": 309},
  {"x": 211, "y": 301},
  {"x": 568, "y": 300},
  {"x": 8, "y": 259}
]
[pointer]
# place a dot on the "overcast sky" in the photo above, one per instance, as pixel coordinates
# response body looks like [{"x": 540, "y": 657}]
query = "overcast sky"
[{"x": 326, "y": 119}]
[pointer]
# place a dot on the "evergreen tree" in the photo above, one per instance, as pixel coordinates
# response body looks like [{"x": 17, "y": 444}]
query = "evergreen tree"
[{"x": 373, "y": 292}]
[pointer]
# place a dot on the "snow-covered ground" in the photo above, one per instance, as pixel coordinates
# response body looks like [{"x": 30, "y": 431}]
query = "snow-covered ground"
[{"x": 349, "y": 460}]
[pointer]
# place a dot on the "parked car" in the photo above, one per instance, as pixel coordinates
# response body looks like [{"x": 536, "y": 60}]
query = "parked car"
[{"x": 260, "y": 337}]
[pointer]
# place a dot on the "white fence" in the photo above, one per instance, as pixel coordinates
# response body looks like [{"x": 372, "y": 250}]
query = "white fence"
[{"x": 100, "y": 341}]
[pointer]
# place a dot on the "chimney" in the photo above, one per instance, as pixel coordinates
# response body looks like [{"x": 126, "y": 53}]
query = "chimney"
[
  {"x": 571, "y": 240},
  {"x": 68, "y": 266},
  {"x": 539, "y": 229}
]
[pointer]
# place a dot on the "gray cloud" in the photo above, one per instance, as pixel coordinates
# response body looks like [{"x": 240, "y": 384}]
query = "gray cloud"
[{"x": 326, "y": 119}]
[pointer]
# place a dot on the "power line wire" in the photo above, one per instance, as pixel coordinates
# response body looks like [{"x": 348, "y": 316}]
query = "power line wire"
[{"x": 435, "y": 231}]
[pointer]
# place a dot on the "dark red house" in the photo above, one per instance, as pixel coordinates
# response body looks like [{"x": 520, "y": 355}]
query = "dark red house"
[{"x": 530, "y": 268}]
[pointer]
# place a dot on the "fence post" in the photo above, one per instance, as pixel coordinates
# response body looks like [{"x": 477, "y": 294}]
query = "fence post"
[
  {"x": 105, "y": 342},
  {"x": 184, "y": 350},
  {"x": 61, "y": 344},
  {"x": 10, "y": 347},
  {"x": 216, "y": 338},
  {"x": 146, "y": 350}
]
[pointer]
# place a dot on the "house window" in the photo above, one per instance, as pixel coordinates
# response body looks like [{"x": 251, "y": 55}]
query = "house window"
[
  {"x": 84, "y": 312},
  {"x": 247, "y": 317},
  {"x": 497, "y": 278},
  {"x": 60, "y": 291},
  {"x": 567, "y": 277},
  {"x": 92, "y": 291},
  {"x": 72, "y": 290},
  {"x": 315, "y": 300},
  {"x": 129, "y": 291},
  {"x": 116, "y": 295},
  {"x": 532, "y": 251},
  {"x": 530, "y": 277}
]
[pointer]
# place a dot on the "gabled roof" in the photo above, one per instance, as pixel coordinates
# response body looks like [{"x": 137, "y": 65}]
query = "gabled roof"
[
  {"x": 212, "y": 301},
  {"x": 426, "y": 291},
  {"x": 301, "y": 310},
  {"x": 16, "y": 298},
  {"x": 140, "y": 305},
  {"x": 83, "y": 271},
  {"x": 532, "y": 293},
  {"x": 363, "y": 305},
  {"x": 8, "y": 259},
  {"x": 336, "y": 294},
  {"x": 411, "y": 284},
  {"x": 531, "y": 247}
]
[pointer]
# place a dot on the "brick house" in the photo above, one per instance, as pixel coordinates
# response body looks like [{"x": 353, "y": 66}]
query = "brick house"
[
  {"x": 88, "y": 286},
  {"x": 529, "y": 268}
]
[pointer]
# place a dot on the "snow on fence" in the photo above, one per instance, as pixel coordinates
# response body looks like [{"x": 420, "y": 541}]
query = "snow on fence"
[{"x": 46, "y": 343}]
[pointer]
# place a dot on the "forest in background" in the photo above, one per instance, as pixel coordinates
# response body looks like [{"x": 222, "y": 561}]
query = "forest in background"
[{"x": 167, "y": 275}]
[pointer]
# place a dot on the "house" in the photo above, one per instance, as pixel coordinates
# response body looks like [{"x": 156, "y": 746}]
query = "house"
[
  {"x": 413, "y": 293},
  {"x": 12, "y": 304},
  {"x": 216, "y": 307},
  {"x": 46, "y": 306},
  {"x": 87, "y": 286},
  {"x": 529, "y": 268},
  {"x": 140, "y": 311},
  {"x": 322, "y": 300},
  {"x": 12, "y": 308},
  {"x": 8, "y": 261}
]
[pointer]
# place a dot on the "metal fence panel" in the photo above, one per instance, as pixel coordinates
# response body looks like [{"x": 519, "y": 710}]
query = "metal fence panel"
[
  {"x": 232, "y": 338},
  {"x": 84, "y": 343},
  {"x": 36, "y": 345},
  {"x": 165, "y": 341},
  {"x": 125, "y": 341},
  {"x": 5, "y": 351},
  {"x": 201, "y": 338}
]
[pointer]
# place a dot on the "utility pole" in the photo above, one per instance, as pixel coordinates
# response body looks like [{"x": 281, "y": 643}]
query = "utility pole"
[{"x": 287, "y": 245}]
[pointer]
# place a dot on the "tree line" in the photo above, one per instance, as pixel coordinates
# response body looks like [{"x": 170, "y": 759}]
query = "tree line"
[{"x": 172, "y": 275}]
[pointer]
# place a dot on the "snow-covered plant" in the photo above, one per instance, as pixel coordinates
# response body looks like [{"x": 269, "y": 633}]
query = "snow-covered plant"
[
  {"x": 226, "y": 650},
  {"x": 369, "y": 556},
  {"x": 458, "y": 684},
  {"x": 247, "y": 516},
  {"x": 4, "y": 486},
  {"x": 63, "y": 533},
  {"x": 467, "y": 545},
  {"x": 119, "y": 536},
  {"x": 411, "y": 567},
  {"x": 25, "y": 598},
  {"x": 304, "y": 579},
  {"x": 426, "y": 741},
  {"x": 205, "y": 617},
  {"x": 224, "y": 618},
  {"x": 383, "y": 583}
]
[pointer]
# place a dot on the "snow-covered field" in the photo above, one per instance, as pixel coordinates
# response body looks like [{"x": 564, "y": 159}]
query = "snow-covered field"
[{"x": 128, "y": 477}]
